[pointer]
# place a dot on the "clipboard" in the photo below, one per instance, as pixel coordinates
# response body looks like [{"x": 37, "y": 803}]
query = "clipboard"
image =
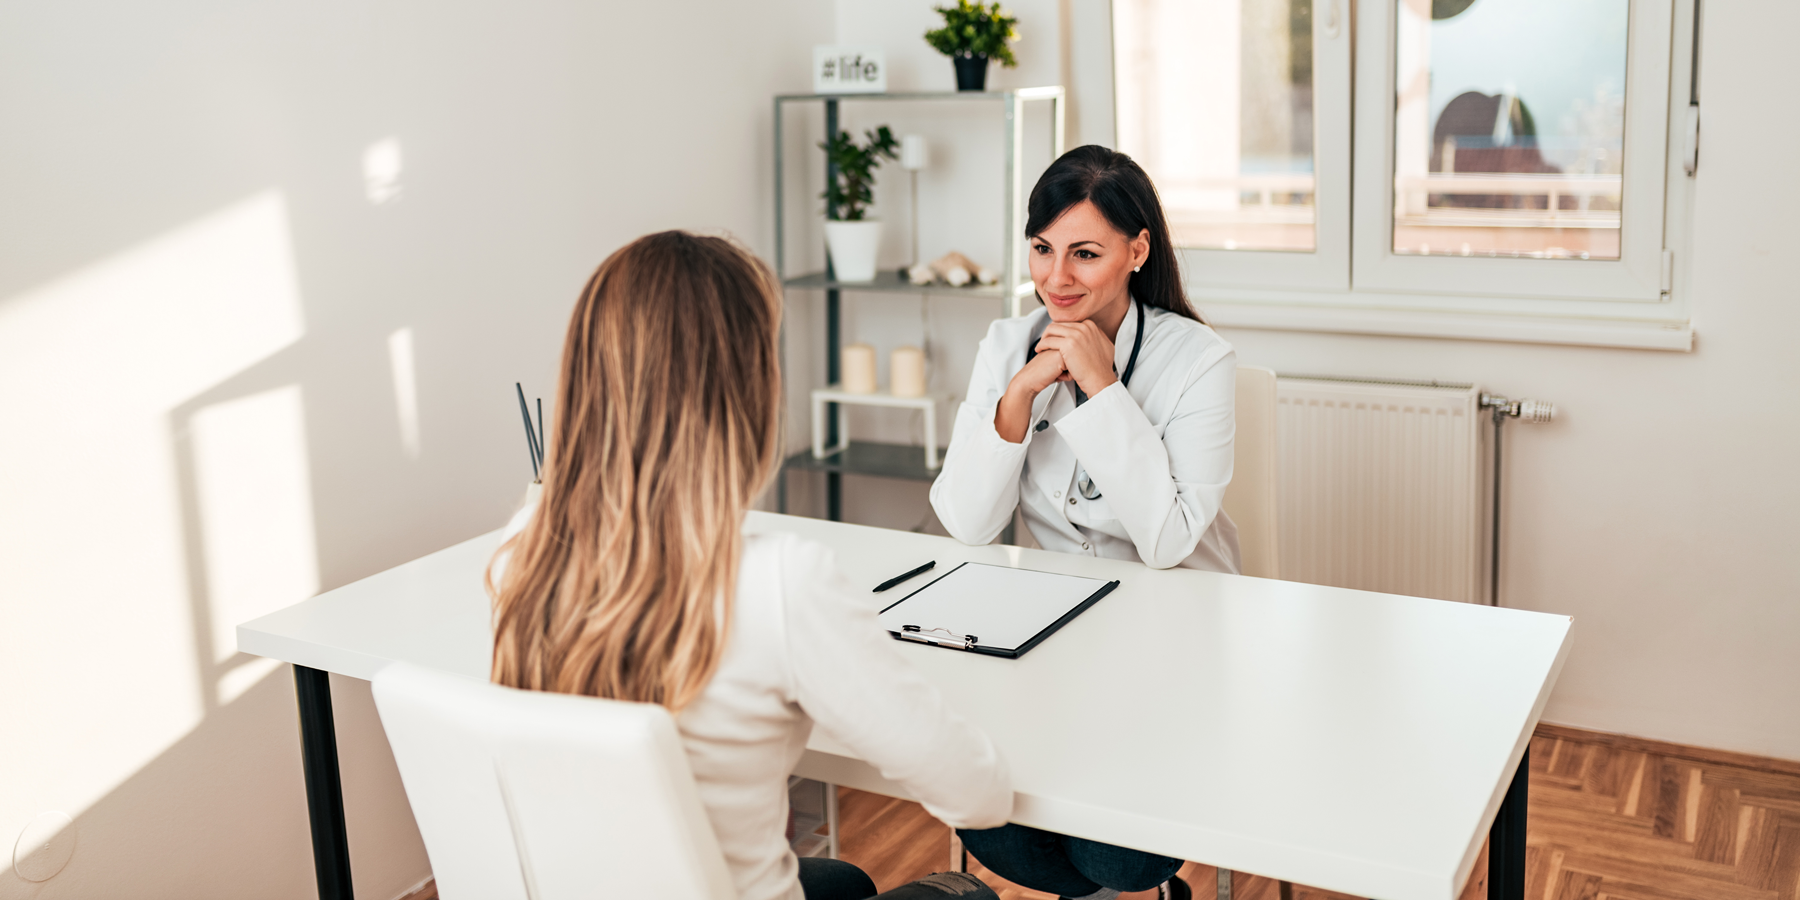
[{"x": 1016, "y": 609}]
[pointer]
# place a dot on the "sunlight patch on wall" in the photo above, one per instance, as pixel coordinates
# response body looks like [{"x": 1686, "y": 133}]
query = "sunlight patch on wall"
[
  {"x": 255, "y": 509},
  {"x": 406, "y": 389},
  {"x": 381, "y": 165},
  {"x": 100, "y": 620},
  {"x": 243, "y": 677}
]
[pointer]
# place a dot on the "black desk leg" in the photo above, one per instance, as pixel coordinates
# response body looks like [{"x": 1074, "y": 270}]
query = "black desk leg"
[
  {"x": 1506, "y": 840},
  {"x": 324, "y": 791}
]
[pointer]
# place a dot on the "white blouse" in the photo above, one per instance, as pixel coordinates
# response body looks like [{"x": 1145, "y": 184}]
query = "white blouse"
[
  {"x": 805, "y": 647},
  {"x": 1157, "y": 451}
]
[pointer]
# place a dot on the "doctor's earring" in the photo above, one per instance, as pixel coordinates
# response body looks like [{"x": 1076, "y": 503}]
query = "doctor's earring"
[{"x": 1137, "y": 268}]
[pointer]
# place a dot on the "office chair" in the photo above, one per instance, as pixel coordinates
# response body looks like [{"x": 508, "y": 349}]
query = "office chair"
[
  {"x": 526, "y": 795},
  {"x": 1250, "y": 499}
]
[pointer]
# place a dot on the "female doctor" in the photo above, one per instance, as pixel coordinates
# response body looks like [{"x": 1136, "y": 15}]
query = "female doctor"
[{"x": 1107, "y": 417}]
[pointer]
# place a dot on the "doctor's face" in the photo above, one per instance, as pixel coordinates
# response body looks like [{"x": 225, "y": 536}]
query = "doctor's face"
[{"x": 1082, "y": 266}]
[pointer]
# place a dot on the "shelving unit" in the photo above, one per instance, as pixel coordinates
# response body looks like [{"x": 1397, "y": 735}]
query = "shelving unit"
[
  {"x": 814, "y": 808},
  {"x": 833, "y": 396},
  {"x": 895, "y": 460},
  {"x": 889, "y": 282}
]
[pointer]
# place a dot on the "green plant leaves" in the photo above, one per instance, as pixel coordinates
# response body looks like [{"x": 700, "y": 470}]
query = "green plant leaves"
[
  {"x": 852, "y": 191},
  {"x": 976, "y": 29}
]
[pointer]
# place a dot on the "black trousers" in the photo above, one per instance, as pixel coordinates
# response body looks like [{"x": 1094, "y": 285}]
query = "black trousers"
[{"x": 834, "y": 879}]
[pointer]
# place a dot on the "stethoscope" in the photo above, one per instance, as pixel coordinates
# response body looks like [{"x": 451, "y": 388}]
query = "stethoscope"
[{"x": 1083, "y": 483}]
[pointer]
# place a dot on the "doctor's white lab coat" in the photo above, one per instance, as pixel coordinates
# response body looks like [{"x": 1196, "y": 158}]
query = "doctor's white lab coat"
[{"x": 1158, "y": 450}]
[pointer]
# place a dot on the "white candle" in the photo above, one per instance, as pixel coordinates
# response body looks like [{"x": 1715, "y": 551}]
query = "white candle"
[
  {"x": 915, "y": 154},
  {"x": 859, "y": 368},
  {"x": 906, "y": 372}
]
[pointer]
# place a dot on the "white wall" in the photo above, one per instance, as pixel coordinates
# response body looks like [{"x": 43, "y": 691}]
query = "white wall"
[
  {"x": 200, "y": 417},
  {"x": 196, "y": 391},
  {"x": 1659, "y": 510}
]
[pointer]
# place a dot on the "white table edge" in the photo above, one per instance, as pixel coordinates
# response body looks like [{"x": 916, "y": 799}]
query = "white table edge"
[
  {"x": 1515, "y": 759},
  {"x": 304, "y": 653}
]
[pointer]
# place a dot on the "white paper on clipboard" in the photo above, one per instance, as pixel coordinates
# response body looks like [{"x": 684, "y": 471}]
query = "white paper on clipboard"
[{"x": 1002, "y": 606}]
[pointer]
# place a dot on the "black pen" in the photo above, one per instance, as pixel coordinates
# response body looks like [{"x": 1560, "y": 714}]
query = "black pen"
[{"x": 899, "y": 578}]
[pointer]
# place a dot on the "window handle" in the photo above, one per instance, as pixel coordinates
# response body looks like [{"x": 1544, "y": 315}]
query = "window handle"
[
  {"x": 1690, "y": 149},
  {"x": 1333, "y": 27}
]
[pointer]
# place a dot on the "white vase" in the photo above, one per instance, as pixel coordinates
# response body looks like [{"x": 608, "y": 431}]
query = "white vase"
[{"x": 853, "y": 246}]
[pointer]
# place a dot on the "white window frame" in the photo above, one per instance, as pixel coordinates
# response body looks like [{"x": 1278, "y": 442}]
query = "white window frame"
[
  {"x": 1354, "y": 282},
  {"x": 1327, "y": 266}
]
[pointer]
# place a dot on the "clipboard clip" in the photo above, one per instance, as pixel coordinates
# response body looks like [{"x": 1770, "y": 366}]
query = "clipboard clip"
[{"x": 931, "y": 636}]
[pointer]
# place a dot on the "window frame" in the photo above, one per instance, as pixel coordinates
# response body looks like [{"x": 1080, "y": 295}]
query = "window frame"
[
  {"x": 1634, "y": 277},
  {"x": 1636, "y": 301},
  {"x": 1327, "y": 266}
]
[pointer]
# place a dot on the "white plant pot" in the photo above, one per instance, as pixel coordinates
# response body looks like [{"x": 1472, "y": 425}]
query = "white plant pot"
[{"x": 853, "y": 246}]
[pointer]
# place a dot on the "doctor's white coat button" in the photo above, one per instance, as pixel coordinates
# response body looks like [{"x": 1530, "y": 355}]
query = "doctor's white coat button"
[
  {"x": 1084, "y": 546},
  {"x": 1057, "y": 495},
  {"x": 1071, "y": 501}
]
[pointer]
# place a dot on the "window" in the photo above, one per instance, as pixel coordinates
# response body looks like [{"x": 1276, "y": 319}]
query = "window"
[
  {"x": 1233, "y": 149},
  {"x": 1508, "y": 176},
  {"x": 1499, "y": 152},
  {"x": 1264, "y": 87}
]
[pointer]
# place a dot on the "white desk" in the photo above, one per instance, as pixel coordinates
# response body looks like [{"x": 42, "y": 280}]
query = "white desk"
[{"x": 1354, "y": 741}]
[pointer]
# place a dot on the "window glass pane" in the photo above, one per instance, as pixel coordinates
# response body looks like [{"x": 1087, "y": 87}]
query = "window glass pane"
[
  {"x": 1215, "y": 102},
  {"x": 1509, "y": 127}
]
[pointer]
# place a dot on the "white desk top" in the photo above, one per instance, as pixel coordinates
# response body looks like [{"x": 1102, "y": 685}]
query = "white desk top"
[{"x": 1348, "y": 740}]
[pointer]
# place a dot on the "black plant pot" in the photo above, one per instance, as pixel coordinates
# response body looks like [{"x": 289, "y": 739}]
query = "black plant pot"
[{"x": 971, "y": 72}]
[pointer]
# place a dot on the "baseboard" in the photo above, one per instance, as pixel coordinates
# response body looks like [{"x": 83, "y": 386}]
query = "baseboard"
[
  {"x": 424, "y": 890},
  {"x": 1678, "y": 751}
]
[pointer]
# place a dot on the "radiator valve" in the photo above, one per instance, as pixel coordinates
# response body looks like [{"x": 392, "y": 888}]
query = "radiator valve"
[{"x": 1533, "y": 411}]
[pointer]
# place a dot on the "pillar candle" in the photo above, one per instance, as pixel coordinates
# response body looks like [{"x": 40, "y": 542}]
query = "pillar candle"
[
  {"x": 859, "y": 368},
  {"x": 906, "y": 372},
  {"x": 915, "y": 154}
]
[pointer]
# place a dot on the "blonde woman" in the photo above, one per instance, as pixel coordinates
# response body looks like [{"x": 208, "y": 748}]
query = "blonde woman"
[{"x": 631, "y": 578}]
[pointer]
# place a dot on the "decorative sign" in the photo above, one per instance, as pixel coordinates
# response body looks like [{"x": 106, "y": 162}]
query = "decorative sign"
[{"x": 849, "y": 70}]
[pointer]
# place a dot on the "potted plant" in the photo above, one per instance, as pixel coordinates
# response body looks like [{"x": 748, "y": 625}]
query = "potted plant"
[
  {"x": 974, "y": 33},
  {"x": 852, "y": 238}
]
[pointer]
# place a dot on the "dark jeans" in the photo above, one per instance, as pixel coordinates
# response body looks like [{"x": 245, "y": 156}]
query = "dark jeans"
[
  {"x": 1063, "y": 865},
  {"x": 834, "y": 879}
]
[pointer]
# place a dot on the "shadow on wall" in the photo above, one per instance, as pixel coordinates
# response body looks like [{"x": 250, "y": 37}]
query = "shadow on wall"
[
  {"x": 222, "y": 811},
  {"x": 232, "y": 233},
  {"x": 169, "y": 385}
]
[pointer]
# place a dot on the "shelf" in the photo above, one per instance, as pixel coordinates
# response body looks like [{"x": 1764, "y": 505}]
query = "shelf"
[
  {"x": 1032, "y": 93},
  {"x": 811, "y": 845},
  {"x": 903, "y": 461},
  {"x": 926, "y": 404},
  {"x": 900, "y": 461},
  {"x": 836, "y": 394},
  {"x": 890, "y": 281},
  {"x": 810, "y": 807}
]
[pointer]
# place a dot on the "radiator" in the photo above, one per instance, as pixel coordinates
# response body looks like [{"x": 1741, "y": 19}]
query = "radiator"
[{"x": 1382, "y": 486}]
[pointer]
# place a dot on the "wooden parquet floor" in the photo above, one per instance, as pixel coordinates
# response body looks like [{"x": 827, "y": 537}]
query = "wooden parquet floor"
[{"x": 1611, "y": 818}]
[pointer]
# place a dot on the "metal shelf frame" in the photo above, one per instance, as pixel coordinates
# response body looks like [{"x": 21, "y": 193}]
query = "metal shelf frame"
[{"x": 1014, "y": 287}]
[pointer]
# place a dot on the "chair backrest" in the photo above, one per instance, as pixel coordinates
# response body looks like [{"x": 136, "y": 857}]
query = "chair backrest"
[
  {"x": 525, "y": 795},
  {"x": 1250, "y": 498}
]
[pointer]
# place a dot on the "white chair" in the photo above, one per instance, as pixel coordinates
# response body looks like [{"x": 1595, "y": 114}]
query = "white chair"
[
  {"x": 524, "y": 795},
  {"x": 1250, "y": 499}
]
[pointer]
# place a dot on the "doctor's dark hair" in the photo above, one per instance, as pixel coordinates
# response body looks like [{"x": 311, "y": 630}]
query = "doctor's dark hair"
[{"x": 1123, "y": 193}]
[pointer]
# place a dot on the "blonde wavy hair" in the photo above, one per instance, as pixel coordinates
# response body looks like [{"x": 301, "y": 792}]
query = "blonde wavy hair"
[{"x": 668, "y": 414}]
